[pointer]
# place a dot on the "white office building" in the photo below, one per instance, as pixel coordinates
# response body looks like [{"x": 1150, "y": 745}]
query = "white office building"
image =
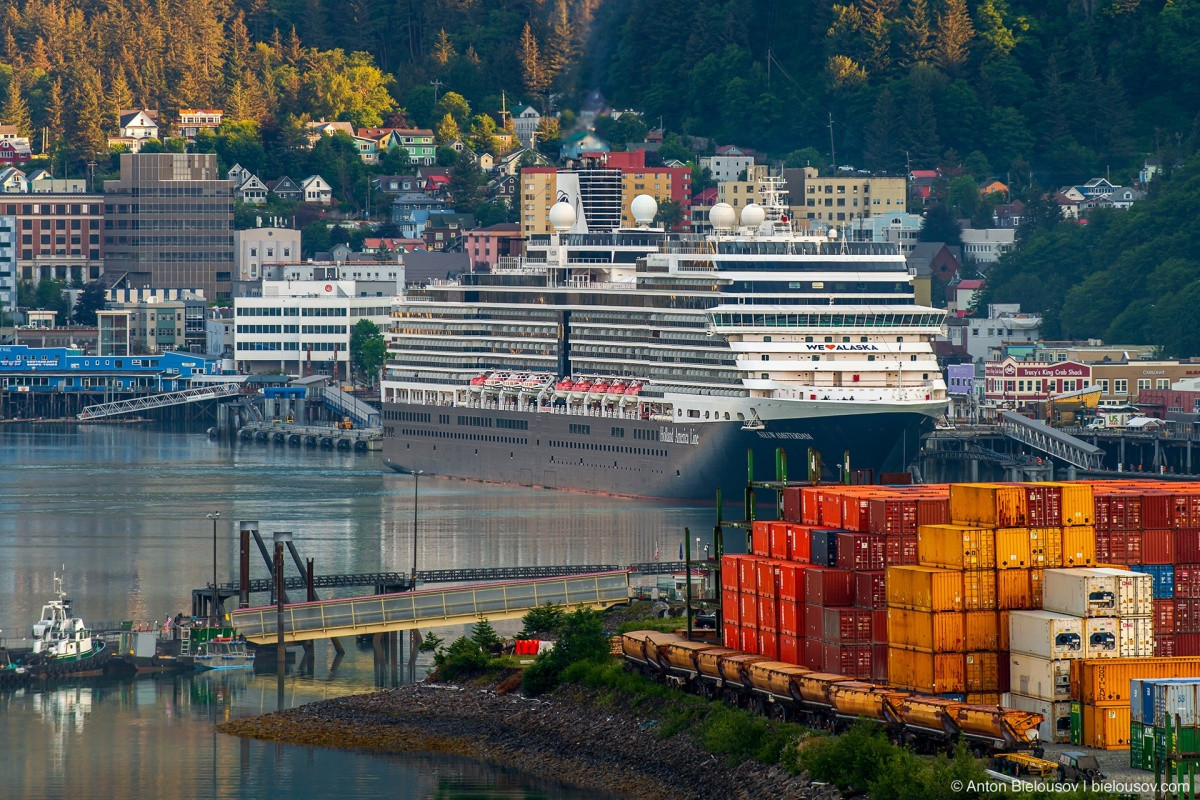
[
  {"x": 256, "y": 248},
  {"x": 302, "y": 327},
  {"x": 986, "y": 245},
  {"x": 8, "y": 264}
]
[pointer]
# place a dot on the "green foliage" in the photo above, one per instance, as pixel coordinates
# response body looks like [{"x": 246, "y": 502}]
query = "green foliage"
[
  {"x": 463, "y": 658},
  {"x": 939, "y": 226},
  {"x": 484, "y": 636},
  {"x": 368, "y": 351},
  {"x": 544, "y": 619},
  {"x": 47, "y": 295},
  {"x": 90, "y": 300},
  {"x": 431, "y": 643},
  {"x": 666, "y": 625},
  {"x": 581, "y": 639}
]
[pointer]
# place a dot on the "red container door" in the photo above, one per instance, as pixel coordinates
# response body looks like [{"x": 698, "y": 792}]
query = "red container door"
[
  {"x": 870, "y": 589},
  {"x": 1187, "y": 545},
  {"x": 829, "y": 587},
  {"x": 760, "y": 538},
  {"x": 1158, "y": 546},
  {"x": 732, "y": 638},
  {"x": 789, "y": 648},
  {"x": 768, "y": 644},
  {"x": 900, "y": 550},
  {"x": 813, "y": 653}
]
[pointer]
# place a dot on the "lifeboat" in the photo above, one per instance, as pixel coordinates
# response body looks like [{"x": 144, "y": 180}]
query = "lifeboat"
[
  {"x": 631, "y": 394},
  {"x": 580, "y": 389},
  {"x": 494, "y": 381},
  {"x": 599, "y": 388},
  {"x": 535, "y": 381},
  {"x": 476, "y": 383}
]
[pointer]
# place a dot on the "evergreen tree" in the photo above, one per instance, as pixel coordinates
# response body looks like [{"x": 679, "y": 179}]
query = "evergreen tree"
[
  {"x": 917, "y": 45},
  {"x": 954, "y": 34},
  {"x": 54, "y": 117},
  {"x": 1054, "y": 103},
  {"x": 443, "y": 50},
  {"x": 560, "y": 48},
  {"x": 87, "y": 128},
  {"x": 993, "y": 29},
  {"x": 16, "y": 111},
  {"x": 881, "y": 153},
  {"x": 532, "y": 67}
]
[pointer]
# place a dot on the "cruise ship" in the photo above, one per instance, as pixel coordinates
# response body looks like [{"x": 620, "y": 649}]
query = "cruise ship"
[{"x": 651, "y": 364}]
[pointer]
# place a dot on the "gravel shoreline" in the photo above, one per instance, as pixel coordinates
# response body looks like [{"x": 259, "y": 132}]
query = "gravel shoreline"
[{"x": 574, "y": 736}]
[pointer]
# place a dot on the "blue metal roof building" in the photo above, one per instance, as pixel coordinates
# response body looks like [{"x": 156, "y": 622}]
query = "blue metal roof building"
[{"x": 61, "y": 369}]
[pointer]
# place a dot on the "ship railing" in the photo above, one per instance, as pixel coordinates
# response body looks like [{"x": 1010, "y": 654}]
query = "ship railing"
[{"x": 843, "y": 394}]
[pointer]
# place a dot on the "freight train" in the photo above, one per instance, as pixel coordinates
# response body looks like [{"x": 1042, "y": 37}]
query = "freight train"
[{"x": 823, "y": 700}]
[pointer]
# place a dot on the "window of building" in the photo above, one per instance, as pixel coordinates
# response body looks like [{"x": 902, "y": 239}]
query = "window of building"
[
  {"x": 1121, "y": 386},
  {"x": 1143, "y": 383},
  {"x": 1162, "y": 383}
]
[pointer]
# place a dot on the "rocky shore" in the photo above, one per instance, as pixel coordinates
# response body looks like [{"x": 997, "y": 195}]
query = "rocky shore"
[{"x": 575, "y": 736}]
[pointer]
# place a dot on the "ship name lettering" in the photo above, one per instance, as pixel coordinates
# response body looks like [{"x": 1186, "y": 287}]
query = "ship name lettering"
[
  {"x": 843, "y": 347},
  {"x": 784, "y": 435}
]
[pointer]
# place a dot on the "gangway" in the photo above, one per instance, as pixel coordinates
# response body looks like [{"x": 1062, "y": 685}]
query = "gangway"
[
  {"x": 193, "y": 395},
  {"x": 1052, "y": 442},
  {"x": 356, "y": 616},
  {"x": 350, "y": 406}
]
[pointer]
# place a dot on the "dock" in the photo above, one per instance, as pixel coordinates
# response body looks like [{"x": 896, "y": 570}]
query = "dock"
[{"x": 324, "y": 437}]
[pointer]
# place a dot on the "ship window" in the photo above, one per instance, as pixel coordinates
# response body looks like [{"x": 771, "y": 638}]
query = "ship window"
[
  {"x": 862, "y": 338},
  {"x": 694, "y": 413},
  {"x": 808, "y": 338},
  {"x": 726, "y": 415},
  {"x": 925, "y": 376},
  {"x": 829, "y": 338},
  {"x": 766, "y": 357},
  {"x": 766, "y": 338},
  {"x": 706, "y": 415},
  {"x": 899, "y": 338},
  {"x": 845, "y": 338},
  {"x": 870, "y": 358},
  {"x": 816, "y": 358},
  {"x": 765, "y": 375},
  {"x": 912, "y": 358}
]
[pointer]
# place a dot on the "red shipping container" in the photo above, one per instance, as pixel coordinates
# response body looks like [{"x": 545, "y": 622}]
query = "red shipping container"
[
  {"x": 901, "y": 550},
  {"x": 1164, "y": 645},
  {"x": 879, "y": 625},
  {"x": 748, "y": 603},
  {"x": 1118, "y": 509},
  {"x": 789, "y": 586},
  {"x": 1103, "y": 547},
  {"x": 1157, "y": 508},
  {"x": 1193, "y": 510},
  {"x": 760, "y": 538},
  {"x": 789, "y": 648},
  {"x": 768, "y": 614},
  {"x": 731, "y": 609},
  {"x": 1003, "y": 679},
  {"x": 933, "y": 510},
  {"x": 892, "y": 516},
  {"x": 749, "y": 639},
  {"x": 814, "y": 622},
  {"x": 791, "y": 618},
  {"x": 812, "y": 653},
  {"x": 1187, "y": 581},
  {"x": 870, "y": 590},
  {"x": 791, "y": 504},
  {"x": 1187, "y": 644},
  {"x": 768, "y": 644},
  {"x": 1187, "y": 616},
  {"x": 777, "y": 535},
  {"x": 831, "y": 508},
  {"x": 1158, "y": 546},
  {"x": 1044, "y": 504},
  {"x": 1164, "y": 616},
  {"x": 1187, "y": 545},
  {"x": 747, "y": 574},
  {"x": 851, "y": 660},
  {"x": 810, "y": 505},
  {"x": 732, "y": 638},
  {"x": 856, "y": 514},
  {"x": 1180, "y": 511},
  {"x": 729, "y": 572},
  {"x": 828, "y": 587},
  {"x": 1125, "y": 547},
  {"x": 800, "y": 543},
  {"x": 879, "y": 663},
  {"x": 861, "y": 551},
  {"x": 765, "y": 570},
  {"x": 845, "y": 625}
]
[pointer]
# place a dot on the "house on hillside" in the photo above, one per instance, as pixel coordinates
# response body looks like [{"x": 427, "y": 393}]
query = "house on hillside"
[
  {"x": 14, "y": 151},
  {"x": 322, "y": 128},
  {"x": 994, "y": 187},
  {"x": 418, "y": 142},
  {"x": 252, "y": 191},
  {"x": 510, "y": 164},
  {"x": 193, "y": 120},
  {"x": 393, "y": 184},
  {"x": 728, "y": 164},
  {"x": 368, "y": 149},
  {"x": 237, "y": 174},
  {"x": 504, "y": 189},
  {"x": 526, "y": 123},
  {"x": 13, "y": 180},
  {"x": 286, "y": 189},
  {"x": 1008, "y": 215},
  {"x": 136, "y": 126},
  {"x": 446, "y": 228},
  {"x": 1068, "y": 204},
  {"x": 316, "y": 190},
  {"x": 920, "y": 183}
]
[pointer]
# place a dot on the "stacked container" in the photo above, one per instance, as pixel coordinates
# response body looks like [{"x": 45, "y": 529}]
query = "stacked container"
[
  {"x": 1041, "y": 645},
  {"x": 1164, "y": 721}
]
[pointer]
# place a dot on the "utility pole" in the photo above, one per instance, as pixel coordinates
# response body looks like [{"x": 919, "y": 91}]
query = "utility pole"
[
  {"x": 832, "y": 154},
  {"x": 436, "y": 84}
]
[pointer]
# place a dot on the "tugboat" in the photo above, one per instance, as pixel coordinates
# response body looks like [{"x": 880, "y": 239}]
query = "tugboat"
[
  {"x": 63, "y": 645},
  {"x": 223, "y": 652}
]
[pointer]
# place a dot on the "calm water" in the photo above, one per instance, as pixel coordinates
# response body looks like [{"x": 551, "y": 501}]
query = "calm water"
[{"x": 124, "y": 510}]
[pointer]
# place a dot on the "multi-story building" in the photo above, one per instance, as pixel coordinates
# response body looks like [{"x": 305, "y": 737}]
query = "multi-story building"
[
  {"x": 168, "y": 222},
  {"x": 193, "y": 120},
  {"x": 486, "y": 246},
  {"x": 1004, "y": 323},
  {"x": 1018, "y": 383},
  {"x": 601, "y": 191},
  {"x": 728, "y": 164},
  {"x": 1124, "y": 382},
  {"x": 194, "y": 307},
  {"x": 8, "y": 266},
  {"x": 142, "y": 327},
  {"x": 899, "y": 227},
  {"x": 986, "y": 245},
  {"x": 843, "y": 198},
  {"x": 255, "y": 248},
  {"x": 58, "y": 233},
  {"x": 419, "y": 142},
  {"x": 740, "y": 194},
  {"x": 302, "y": 327}
]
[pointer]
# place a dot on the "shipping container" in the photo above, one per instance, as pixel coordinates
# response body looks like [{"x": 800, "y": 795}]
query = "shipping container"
[
  {"x": 1056, "y": 724},
  {"x": 1012, "y": 548},
  {"x": 979, "y": 590},
  {"x": 981, "y": 630},
  {"x": 778, "y": 540},
  {"x": 851, "y": 660},
  {"x": 893, "y": 516},
  {"x": 847, "y": 625},
  {"x": 856, "y": 513},
  {"x": 1014, "y": 589},
  {"x": 1045, "y": 634},
  {"x": 788, "y": 576},
  {"x": 1162, "y": 579},
  {"x": 1164, "y": 645},
  {"x": 1135, "y": 591},
  {"x": 1082, "y": 592},
  {"x": 1044, "y": 502},
  {"x": 1002, "y": 623},
  {"x": 870, "y": 589},
  {"x": 994, "y": 505},
  {"x": 791, "y": 504},
  {"x": 936, "y": 673},
  {"x": 1045, "y": 547},
  {"x": 924, "y": 588},
  {"x": 768, "y": 644},
  {"x": 1176, "y": 698},
  {"x": 1164, "y": 616},
  {"x": 1187, "y": 545},
  {"x": 1106, "y": 726},
  {"x": 823, "y": 546},
  {"x": 983, "y": 698},
  {"x": 760, "y": 538},
  {"x": 1106, "y": 680},
  {"x": 1078, "y": 546},
  {"x": 732, "y": 637},
  {"x": 1135, "y": 637},
  {"x": 1157, "y": 508},
  {"x": 901, "y": 550},
  {"x": 879, "y": 625},
  {"x": 812, "y": 653},
  {"x": 861, "y": 551},
  {"x": 791, "y": 618},
  {"x": 940, "y": 632},
  {"x": 748, "y": 614},
  {"x": 768, "y": 614},
  {"x": 1158, "y": 546},
  {"x": 1037, "y": 586},
  {"x": 800, "y": 543},
  {"x": 1100, "y": 638},
  {"x": 1187, "y": 581},
  {"x": 1043, "y": 678},
  {"x": 831, "y": 507},
  {"x": 982, "y": 671},
  {"x": 934, "y": 510},
  {"x": 879, "y": 663},
  {"x": 747, "y": 575},
  {"x": 730, "y": 570},
  {"x": 828, "y": 587},
  {"x": 956, "y": 547},
  {"x": 810, "y": 506},
  {"x": 766, "y": 571},
  {"x": 814, "y": 621},
  {"x": 731, "y": 609},
  {"x": 1117, "y": 508},
  {"x": 1078, "y": 504},
  {"x": 789, "y": 648},
  {"x": 1125, "y": 546},
  {"x": 749, "y": 640},
  {"x": 1187, "y": 615},
  {"x": 1187, "y": 644}
]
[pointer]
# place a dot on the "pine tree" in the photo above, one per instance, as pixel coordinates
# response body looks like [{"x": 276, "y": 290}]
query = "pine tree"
[
  {"x": 1055, "y": 119},
  {"x": 881, "y": 152},
  {"x": 119, "y": 96},
  {"x": 532, "y": 67},
  {"x": 954, "y": 34},
  {"x": 87, "y": 129},
  {"x": 16, "y": 110},
  {"x": 443, "y": 50},
  {"x": 918, "y": 37},
  {"x": 560, "y": 49},
  {"x": 54, "y": 116},
  {"x": 237, "y": 56},
  {"x": 293, "y": 51}
]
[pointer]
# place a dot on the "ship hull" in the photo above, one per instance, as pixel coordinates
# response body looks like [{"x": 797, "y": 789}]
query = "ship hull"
[{"x": 637, "y": 457}]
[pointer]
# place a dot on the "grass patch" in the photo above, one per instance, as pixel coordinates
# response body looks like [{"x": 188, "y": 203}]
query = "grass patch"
[{"x": 667, "y": 625}]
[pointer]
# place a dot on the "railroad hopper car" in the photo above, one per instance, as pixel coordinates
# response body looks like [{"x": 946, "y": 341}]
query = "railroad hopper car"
[{"x": 825, "y": 700}]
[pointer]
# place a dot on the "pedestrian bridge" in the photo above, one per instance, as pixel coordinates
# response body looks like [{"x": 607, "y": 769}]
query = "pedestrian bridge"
[{"x": 385, "y": 613}]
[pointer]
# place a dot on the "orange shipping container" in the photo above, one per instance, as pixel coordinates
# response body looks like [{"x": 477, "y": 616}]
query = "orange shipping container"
[
  {"x": 937, "y": 673},
  {"x": 800, "y": 543},
  {"x": 956, "y": 547},
  {"x": 1045, "y": 547},
  {"x": 1079, "y": 546},
  {"x": 1014, "y": 589},
  {"x": 810, "y": 505},
  {"x": 791, "y": 586},
  {"x": 1012, "y": 548},
  {"x": 981, "y": 630},
  {"x": 747, "y": 574},
  {"x": 1078, "y": 507},
  {"x": 1037, "y": 586},
  {"x": 925, "y": 588},
  {"x": 1106, "y": 680},
  {"x": 982, "y": 671},
  {"x": 979, "y": 590},
  {"x": 748, "y": 617},
  {"x": 994, "y": 505},
  {"x": 941, "y": 632},
  {"x": 983, "y": 698},
  {"x": 730, "y": 607},
  {"x": 778, "y": 540},
  {"x": 766, "y": 577},
  {"x": 760, "y": 538},
  {"x": 1106, "y": 726}
]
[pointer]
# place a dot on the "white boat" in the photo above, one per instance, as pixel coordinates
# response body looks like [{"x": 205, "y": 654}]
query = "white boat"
[
  {"x": 63, "y": 644},
  {"x": 223, "y": 653}
]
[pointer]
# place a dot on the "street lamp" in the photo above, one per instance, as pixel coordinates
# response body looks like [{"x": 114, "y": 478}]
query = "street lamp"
[
  {"x": 416, "y": 473},
  {"x": 214, "y": 516}
]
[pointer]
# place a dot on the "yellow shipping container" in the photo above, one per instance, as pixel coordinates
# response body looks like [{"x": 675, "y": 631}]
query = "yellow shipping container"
[
  {"x": 981, "y": 630},
  {"x": 937, "y": 673},
  {"x": 993, "y": 505},
  {"x": 979, "y": 590},
  {"x": 1012, "y": 548},
  {"x": 1002, "y": 623},
  {"x": 1079, "y": 546},
  {"x": 1078, "y": 504},
  {"x": 1106, "y": 680},
  {"x": 1106, "y": 726},
  {"x": 1037, "y": 586},
  {"x": 1045, "y": 548},
  {"x": 931, "y": 632},
  {"x": 925, "y": 588},
  {"x": 1014, "y": 590},
  {"x": 982, "y": 671},
  {"x": 956, "y": 547},
  {"x": 983, "y": 698}
]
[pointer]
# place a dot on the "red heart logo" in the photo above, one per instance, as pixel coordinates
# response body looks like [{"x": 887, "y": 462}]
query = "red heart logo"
[{"x": 830, "y": 346}]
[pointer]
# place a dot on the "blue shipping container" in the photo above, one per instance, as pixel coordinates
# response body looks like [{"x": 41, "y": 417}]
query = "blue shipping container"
[
  {"x": 1164, "y": 579},
  {"x": 823, "y": 543}
]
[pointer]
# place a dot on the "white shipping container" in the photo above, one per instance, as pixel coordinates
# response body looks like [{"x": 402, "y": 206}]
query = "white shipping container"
[
  {"x": 1045, "y": 634},
  {"x": 1177, "y": 699},
  {"x": 1056, "y": 726},
  {"x": 1135, "y": 592},
  {"x": 1101, "y": 637},
  {"x": 1081, "y": 592},
  {"x": 1135, "y": 636},
  {"x": 1040, "y": 678},
  {"x": 1135, "y": 699}
]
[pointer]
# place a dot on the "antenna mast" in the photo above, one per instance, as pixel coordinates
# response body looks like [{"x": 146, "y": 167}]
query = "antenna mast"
[{"x": 832, "y": 152}]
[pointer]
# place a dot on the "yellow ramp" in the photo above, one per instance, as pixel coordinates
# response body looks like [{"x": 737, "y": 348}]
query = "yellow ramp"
[{"x": 383, "y": 613}]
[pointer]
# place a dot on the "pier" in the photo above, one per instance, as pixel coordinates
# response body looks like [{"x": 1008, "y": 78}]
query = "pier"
[{"x": 324, "y": 437}]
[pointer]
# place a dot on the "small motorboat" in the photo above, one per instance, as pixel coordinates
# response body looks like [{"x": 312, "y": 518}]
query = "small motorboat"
[{"x": 223, "y": 653}]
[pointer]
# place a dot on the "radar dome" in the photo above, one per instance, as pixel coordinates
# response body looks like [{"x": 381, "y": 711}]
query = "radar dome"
[
  {"x": 753, "y": 215},
  {"x": 562, "y": 216},
  {"x": 833, "y": 233},
  {"x": 644, "y": 209},
  {"x": 722, "y": 216}
]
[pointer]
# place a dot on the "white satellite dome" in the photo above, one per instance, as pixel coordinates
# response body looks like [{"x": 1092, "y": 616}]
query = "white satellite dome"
[
  {"x": 753, "y": 215},
  {"x": 722, "y": 216},
  {"x": 833, "y": 233},
  {"x": 644, "y": 209},
  {"x": 562, "y": 216}
]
